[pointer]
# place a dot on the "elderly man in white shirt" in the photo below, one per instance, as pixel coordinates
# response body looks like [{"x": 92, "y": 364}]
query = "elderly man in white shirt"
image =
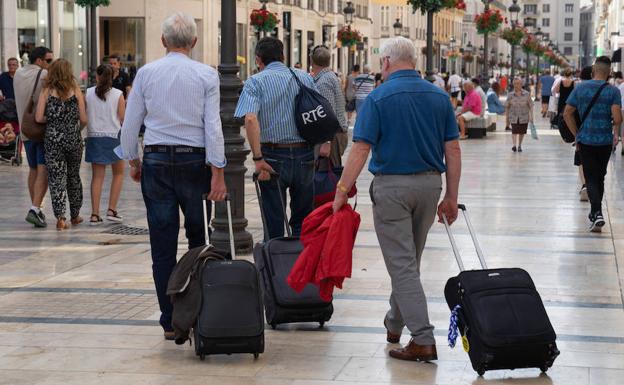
[{"x": 177, "y": 99}]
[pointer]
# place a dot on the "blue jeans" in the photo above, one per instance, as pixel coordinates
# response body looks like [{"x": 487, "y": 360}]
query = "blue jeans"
[
  {"x": 296, "y": 172},
  {"x": 170, "y": 182},
  {"x": 358, "y": 104}
]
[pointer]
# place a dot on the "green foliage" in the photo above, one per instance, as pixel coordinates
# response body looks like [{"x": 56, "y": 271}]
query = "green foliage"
[{"x": 93, "y": 3}]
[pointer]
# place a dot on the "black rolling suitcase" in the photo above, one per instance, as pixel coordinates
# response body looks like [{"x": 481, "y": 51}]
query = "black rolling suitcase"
[
  {"x": 275, "y": 259},
  {"x": 230, "y": 318},
  {"x": 499, "y": 314}
]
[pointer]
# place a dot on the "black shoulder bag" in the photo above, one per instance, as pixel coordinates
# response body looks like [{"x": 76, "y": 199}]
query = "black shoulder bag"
[
  {"x": 564, "y": 131},
  {"x": 314, "y": 115}
]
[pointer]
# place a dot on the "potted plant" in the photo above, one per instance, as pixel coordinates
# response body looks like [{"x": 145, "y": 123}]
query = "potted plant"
[
  {"x": 348, "y": 36},
  {"x": 513, "y": 36}
]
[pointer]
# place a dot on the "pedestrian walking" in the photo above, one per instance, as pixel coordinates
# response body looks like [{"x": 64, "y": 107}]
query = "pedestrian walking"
[
  {"x": 598, "y": 133},
  {"x": 24, "y": 83},
  {"x": 6, "y": 80},
  {"x": 518, "y": 113},
  {"x": 177, "y": 99},
  {"x": 455, "y": 82},
  {"x": 350, "y": 91},
  {"x": 364, "y": 84},
  {"x": 121, "y": 80},
  {"x": 409, "y": 125},
  {"x": 267, "y": 103},
  {"x": 328, "y": 85},
  {"x": 61, "y": 107},
  {"x": 106, "y": 108}
]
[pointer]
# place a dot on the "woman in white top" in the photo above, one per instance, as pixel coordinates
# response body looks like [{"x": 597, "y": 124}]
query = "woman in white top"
[{"x": 106, "y": 108}]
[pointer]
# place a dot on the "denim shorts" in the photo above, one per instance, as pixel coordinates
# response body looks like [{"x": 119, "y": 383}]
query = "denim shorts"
[
  {"x": 99, "y": 150},
  {"x": 35, "y": 153}
]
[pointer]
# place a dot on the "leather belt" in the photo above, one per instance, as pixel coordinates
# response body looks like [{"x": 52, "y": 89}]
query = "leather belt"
[
  {"x": 286, "y": 145},
  {"x": 174, "y": 149},
  {"x": 430, "y": 172}
]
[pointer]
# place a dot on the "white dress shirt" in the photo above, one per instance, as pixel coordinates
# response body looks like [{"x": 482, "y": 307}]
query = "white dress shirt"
[{"x": 177, "y": 99}]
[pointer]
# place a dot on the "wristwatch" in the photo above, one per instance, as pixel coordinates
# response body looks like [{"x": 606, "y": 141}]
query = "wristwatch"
[{"x": 258, "y": 158}]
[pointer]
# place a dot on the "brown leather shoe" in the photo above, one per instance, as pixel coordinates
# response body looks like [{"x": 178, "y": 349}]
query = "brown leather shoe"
[
  {"x": 391, "y": 337},
  {"x": 415, "y": 352},
  {"x": 169, "y": 336}
]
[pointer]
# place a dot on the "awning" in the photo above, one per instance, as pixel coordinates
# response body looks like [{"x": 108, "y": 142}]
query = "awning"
[{"x": 617, "y": 56}]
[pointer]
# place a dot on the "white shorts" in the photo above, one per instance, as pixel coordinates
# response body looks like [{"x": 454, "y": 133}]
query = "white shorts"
[{"x": 469, "y": 115}]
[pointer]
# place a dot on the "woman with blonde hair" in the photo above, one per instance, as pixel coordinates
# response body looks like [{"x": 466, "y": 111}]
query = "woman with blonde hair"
[
  {"x": 106, "y": 108},
  {"x": 61, "y": 107}
]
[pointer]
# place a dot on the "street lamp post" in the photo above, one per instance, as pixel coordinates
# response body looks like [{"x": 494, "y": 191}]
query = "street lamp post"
[
  {"x": 235, "y": 150},
  {"x": 398, "y": 27},
  {"x": 469, "y": 50},
  {"x": 540, "y": 36},
  {"x": 429, "y": 67},
  {"x": 514, "y": 10},
  {"x": 484, "y": 76},
  {"x": 348, "y": 11},
  {"x": 452, "y": 42}
]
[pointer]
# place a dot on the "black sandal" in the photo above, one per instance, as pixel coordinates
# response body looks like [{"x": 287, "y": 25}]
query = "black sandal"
[
  {"x": 114, "y": 217},
  {"x": 95, "y": 220}
]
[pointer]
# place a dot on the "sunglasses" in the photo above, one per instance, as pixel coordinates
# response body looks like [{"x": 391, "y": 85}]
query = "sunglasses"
[{"x": 49, "y": 61}]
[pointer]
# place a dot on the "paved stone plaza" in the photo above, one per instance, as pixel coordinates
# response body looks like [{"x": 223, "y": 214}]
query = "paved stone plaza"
[{"x": 78, "y": 307}]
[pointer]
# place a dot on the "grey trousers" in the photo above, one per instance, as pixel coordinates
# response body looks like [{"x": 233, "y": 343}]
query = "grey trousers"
[{"x": 404, "y": 208}]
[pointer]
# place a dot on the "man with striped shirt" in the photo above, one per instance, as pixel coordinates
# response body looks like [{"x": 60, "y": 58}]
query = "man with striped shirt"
[
  {"x": 267, "y": 103},
  {"x": 364, "y": 84}
]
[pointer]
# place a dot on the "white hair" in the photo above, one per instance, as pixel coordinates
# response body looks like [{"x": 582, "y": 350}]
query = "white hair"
[
  {"x": 399, "y": 49},
  {"x": 179, "y": 30}
]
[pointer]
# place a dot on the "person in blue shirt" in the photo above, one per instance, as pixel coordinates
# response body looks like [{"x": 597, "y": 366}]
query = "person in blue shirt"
[
  {"x": 598, "y": 134},
  {"x": 410, "y": 127},
  {"x": 6, "y": 80},
  {"x": 494, "y": 104},
  {"x": 546, "y": 83}
]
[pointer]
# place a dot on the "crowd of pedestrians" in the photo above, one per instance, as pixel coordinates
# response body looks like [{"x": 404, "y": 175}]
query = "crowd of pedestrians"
[
  {"x": 408, "y": 126},
  {"x": 69, "y": 115}
]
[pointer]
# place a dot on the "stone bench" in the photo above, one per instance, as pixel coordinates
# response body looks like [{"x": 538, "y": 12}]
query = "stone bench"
[{"x": 478, "y": 128}]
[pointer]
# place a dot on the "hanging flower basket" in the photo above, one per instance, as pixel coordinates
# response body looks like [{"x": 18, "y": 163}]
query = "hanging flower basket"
[
  {"x": 423, "y": 50},
  {"x": 435, "y": 6},
  {"x": 513, "y": 36},
  {"x": 530, "y": 44},
  {"x": 93, "y": 3},
  {"x": 468, "y": 58},
  {"x": 488, "y": 21},
  {"x": 452, "y": 55},
  {"x": 479, "y": 60},
  {"x": 349, "y": 37},
  {"x": 263, "y": 20},
  {"x": 493, "y": 62}
]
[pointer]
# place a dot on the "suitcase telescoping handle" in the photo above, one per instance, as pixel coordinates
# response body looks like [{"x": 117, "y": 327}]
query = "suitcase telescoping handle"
[
  {"x": 229, "y": 215},
  {"x": 473, "y": 235},
  {"x": 262, "y": 214}
]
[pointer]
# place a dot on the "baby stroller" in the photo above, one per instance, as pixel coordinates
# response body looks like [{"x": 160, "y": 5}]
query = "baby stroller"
[{"x": 10, "y": 143}]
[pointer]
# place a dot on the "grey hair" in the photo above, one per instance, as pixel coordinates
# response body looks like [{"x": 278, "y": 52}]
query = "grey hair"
[
  {"x": 366, "y": 69},
  {"x": 179, "y": 30},
  {"x": 399, "y": 49},
  {"x": 321, "y": 56}
]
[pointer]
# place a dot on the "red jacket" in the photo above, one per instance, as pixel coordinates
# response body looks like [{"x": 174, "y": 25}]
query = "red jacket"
[{"x": 328, "y": 241}]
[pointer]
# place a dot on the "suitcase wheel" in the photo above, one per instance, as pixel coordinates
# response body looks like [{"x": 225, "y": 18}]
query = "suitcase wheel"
[
  {"x": 481, "y": 371},
  {"x": 544, "y": 368},
  {"x": 202, "y": 356},
  {"x": 321, "y": 324},
  {"x": 256, "y": 355}
]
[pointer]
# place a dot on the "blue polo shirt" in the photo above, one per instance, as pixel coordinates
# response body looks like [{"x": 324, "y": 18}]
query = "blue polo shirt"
[
  {"x": 547, "y": 83},
  {"x": 407, "y": 121},
  {"x": 597, "y": 129}
]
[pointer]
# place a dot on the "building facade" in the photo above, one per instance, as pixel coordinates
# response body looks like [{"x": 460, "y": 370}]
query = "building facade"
[
  {"x": 588, "y": 50},
  {"x": 608, "y": 27},
  {"x": 60, "y": 25},
  {"x": 559, "y": 20},
  {"x": 132, "y": 30}
]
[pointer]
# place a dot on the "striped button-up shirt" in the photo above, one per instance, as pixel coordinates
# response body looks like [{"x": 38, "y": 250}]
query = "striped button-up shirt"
[
  {"x": 329, "y": 86},
  {"x": 177, "y": 99},
  {"x": 270, "y": 95}
]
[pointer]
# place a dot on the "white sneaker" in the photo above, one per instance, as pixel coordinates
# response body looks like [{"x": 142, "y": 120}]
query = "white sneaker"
[
  {"x": 583, "y": 195},
  {"x": 597, "y": 224}
]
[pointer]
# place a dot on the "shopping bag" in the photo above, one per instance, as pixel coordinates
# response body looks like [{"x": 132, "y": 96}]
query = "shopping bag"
[{"x": 533, "y": 131}]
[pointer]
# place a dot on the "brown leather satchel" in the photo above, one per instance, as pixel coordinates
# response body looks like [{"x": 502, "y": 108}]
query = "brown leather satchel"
[{"x": 30, "y": 128}]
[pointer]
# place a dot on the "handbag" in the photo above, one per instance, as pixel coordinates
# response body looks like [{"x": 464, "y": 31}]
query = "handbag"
[
  {"x": 314, "y": 116},
  {"x": 325, "y": 182},
  {"x": 533, "y": 131},
  {"x": 30, "y": 128},
  {"x": 564, "y": 131}
]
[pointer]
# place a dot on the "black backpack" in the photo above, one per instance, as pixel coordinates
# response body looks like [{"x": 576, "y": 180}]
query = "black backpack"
[{"x": 314, "y": 115}]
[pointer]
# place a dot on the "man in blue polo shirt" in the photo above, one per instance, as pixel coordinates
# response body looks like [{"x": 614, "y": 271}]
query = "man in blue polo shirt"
[
  {"x": 409, "y": 124},
  {"x": 599, "y": 133}
]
